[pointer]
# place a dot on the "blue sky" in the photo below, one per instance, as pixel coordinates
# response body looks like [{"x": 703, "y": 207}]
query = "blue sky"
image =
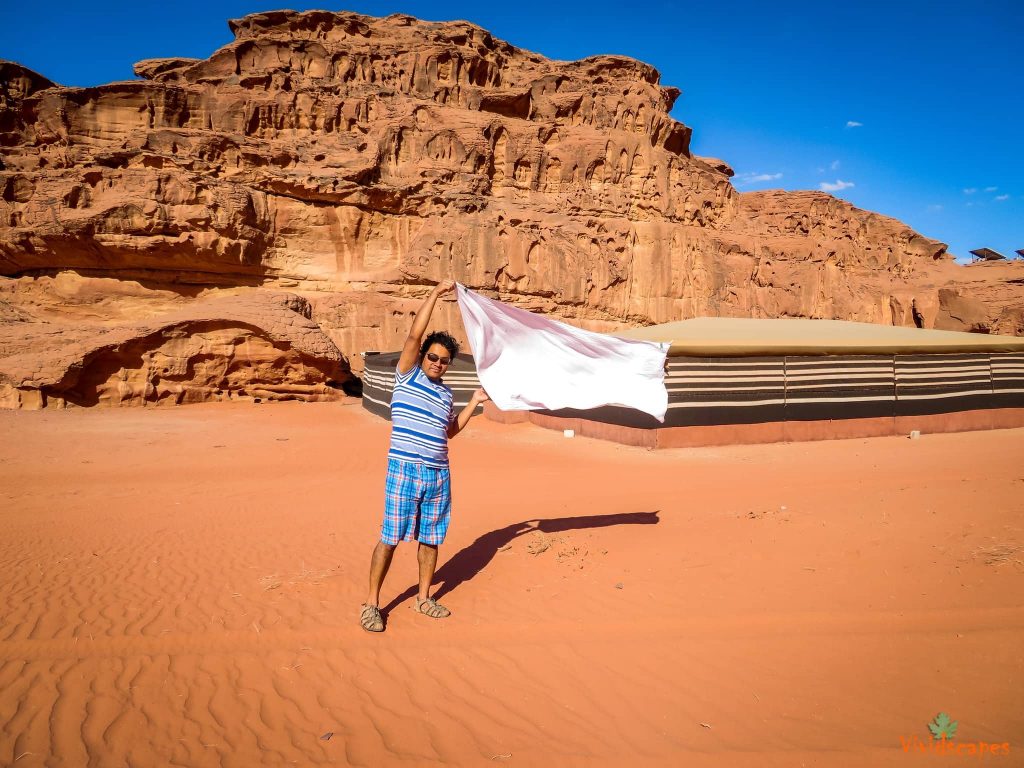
[{"x": 912, "y": 109}]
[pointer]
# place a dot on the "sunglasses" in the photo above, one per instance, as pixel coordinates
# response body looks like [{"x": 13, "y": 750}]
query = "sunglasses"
[{"x": 436, "y": 359}]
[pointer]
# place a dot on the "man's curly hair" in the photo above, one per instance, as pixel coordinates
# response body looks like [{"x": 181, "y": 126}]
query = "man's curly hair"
[{"x": 443, "y": 338}]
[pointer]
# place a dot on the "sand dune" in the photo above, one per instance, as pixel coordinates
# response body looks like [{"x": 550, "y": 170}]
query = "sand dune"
[{"x": 181, "y": 587}]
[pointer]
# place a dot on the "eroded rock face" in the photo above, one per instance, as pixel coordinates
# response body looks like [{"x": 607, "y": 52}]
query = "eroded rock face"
[
  {"x": 258, "y": 345},
  {"x": 357, "y": 160}
]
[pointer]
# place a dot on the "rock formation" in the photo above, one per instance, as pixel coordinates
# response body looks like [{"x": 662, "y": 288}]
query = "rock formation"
[
  {"x": 355, "y": 160},
  {"x": 257, "y": 345}
]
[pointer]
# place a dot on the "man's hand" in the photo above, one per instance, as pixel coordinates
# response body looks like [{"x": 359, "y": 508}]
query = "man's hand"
[
  {"x": 444, "y": 287},
  {"x": 480, "y": 396}
]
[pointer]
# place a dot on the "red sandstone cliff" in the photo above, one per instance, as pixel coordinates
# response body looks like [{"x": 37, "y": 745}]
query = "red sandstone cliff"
[{"x": 354, "y": 160}]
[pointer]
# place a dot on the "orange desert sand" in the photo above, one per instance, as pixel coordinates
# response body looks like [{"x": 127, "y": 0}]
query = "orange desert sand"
[{"x": 181, "y": 587}]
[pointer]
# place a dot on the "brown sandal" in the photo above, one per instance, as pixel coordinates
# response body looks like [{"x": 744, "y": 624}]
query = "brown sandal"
[
  {"x": 430, "y": 607},
  {"x": 370, "y": 619}
]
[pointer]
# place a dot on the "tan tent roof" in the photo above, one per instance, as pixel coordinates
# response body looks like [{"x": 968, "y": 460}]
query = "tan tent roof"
[{"x": 744, "y": 337}]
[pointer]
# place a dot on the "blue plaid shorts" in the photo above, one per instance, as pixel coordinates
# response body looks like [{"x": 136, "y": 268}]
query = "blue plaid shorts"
[{"x": 417, "y": 503}]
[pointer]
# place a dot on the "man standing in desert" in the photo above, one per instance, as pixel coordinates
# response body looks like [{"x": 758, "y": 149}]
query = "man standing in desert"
[{"x": 417, "y": 496}]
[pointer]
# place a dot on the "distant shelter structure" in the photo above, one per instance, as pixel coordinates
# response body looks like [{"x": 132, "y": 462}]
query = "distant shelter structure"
[
  {"x": 987, "y": 254},
  {"x": 739, "y": 380}
]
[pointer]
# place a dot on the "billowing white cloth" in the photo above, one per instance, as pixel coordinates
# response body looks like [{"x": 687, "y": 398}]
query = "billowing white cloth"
[{"x": 527, "y": 362}]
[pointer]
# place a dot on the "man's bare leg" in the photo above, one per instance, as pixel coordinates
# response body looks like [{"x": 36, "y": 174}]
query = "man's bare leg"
[
  {"x": 379, "y": 564},
  {"x": 427, "y": 557}
]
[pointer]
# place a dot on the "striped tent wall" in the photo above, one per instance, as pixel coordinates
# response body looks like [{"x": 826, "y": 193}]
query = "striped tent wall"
[
  {"x": 1008, "y": 380},
  {"x": 707, "y": 391},
  {"x": 932, "y": 384}
]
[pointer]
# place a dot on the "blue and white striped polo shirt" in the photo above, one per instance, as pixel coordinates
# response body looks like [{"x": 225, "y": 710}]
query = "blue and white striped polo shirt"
[{"x": 421, "y": 411}]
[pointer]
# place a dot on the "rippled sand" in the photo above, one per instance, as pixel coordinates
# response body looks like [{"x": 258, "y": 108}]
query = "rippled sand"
[{"x": 181, "y": 587}]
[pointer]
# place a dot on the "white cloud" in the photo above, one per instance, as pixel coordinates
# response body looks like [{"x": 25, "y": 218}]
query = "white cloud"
[
  {"x": 935, "y": 208},
  {"x": 754, "y": 178},
  {"x": 1000, "y": 198},
  {"x": 991, "y": 189},
  {"x": 839, "y": 184},
  {"x": 970, "y": 190},
  {"x": 835, "y": 165},
  {"x": 853, "y": 124}
]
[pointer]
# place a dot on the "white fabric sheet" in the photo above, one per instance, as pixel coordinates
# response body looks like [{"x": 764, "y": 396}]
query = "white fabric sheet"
[{"x": 527, "y": 362}]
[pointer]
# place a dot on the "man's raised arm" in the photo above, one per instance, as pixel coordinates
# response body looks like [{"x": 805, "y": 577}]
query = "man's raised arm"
[{"x": 411, "y": 349}]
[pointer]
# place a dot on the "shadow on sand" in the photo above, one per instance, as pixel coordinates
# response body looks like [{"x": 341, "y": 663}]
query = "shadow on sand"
[{"x": 469, "y": 561}]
